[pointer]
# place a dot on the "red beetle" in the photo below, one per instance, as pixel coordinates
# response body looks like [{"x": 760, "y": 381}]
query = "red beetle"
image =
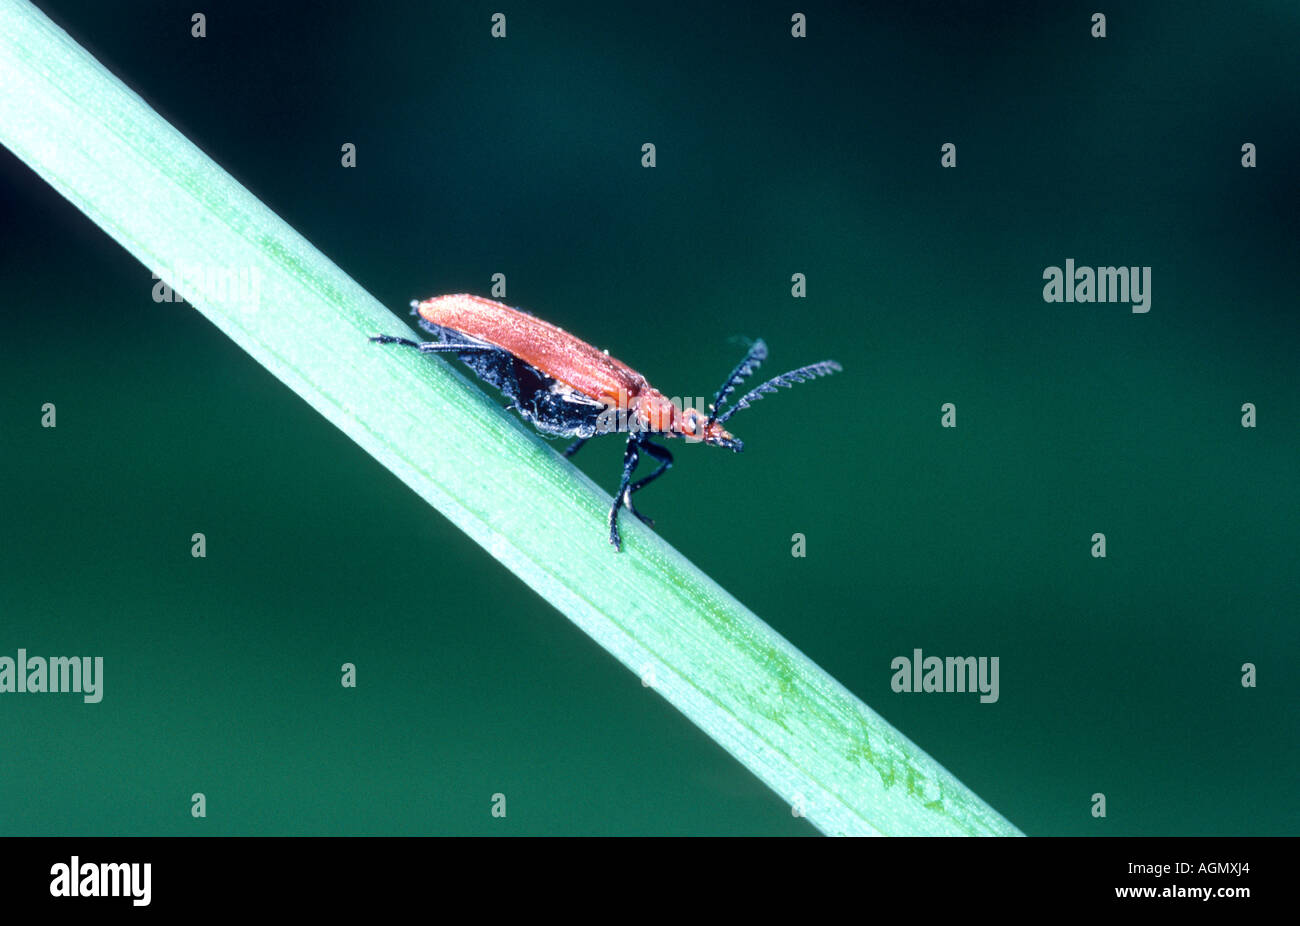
[{"x": 567, "y": 388}]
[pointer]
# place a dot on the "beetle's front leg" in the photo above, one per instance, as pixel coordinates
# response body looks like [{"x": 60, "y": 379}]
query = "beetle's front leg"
[
  {"x": 623, "y": 495},
  {"x": 665, "y": 459}
]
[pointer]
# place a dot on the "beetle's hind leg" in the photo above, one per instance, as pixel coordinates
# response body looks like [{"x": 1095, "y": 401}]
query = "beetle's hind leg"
[
  {"x": 389, "y": 339},
  {"x": 434, "y": 347}
]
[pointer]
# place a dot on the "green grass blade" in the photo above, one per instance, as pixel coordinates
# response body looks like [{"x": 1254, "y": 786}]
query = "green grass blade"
[{"x": 172, "y": 207}]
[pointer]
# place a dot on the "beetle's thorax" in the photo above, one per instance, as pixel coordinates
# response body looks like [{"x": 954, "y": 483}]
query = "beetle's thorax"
[{"x": 654, "y": 412}]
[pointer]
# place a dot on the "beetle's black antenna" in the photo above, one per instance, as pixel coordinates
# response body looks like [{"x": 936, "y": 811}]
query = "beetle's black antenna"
[
  {"x": 757, "y": 354},
  {"x": 801, "y": 375}
]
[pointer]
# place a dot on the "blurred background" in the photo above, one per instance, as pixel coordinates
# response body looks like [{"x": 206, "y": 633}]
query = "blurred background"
[{"x": 775, "y": 156}]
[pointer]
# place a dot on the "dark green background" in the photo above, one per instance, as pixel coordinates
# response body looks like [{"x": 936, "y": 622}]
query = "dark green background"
[{"x": 775, "y": 155}]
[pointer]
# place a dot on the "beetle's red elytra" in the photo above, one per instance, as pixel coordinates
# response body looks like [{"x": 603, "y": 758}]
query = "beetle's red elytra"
[{"x": 568, "y": 388}]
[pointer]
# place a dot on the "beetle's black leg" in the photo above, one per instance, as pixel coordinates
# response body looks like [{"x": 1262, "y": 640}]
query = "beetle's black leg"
[
  {"x": 661, "y": 454},
  {"x": 575, "y": 446},
  {"x": 665, "y": 459},
  {"x": 435, "y": 347},
  {"x": 389, "y": 339},
  {"x": 622, "y": 496}
]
